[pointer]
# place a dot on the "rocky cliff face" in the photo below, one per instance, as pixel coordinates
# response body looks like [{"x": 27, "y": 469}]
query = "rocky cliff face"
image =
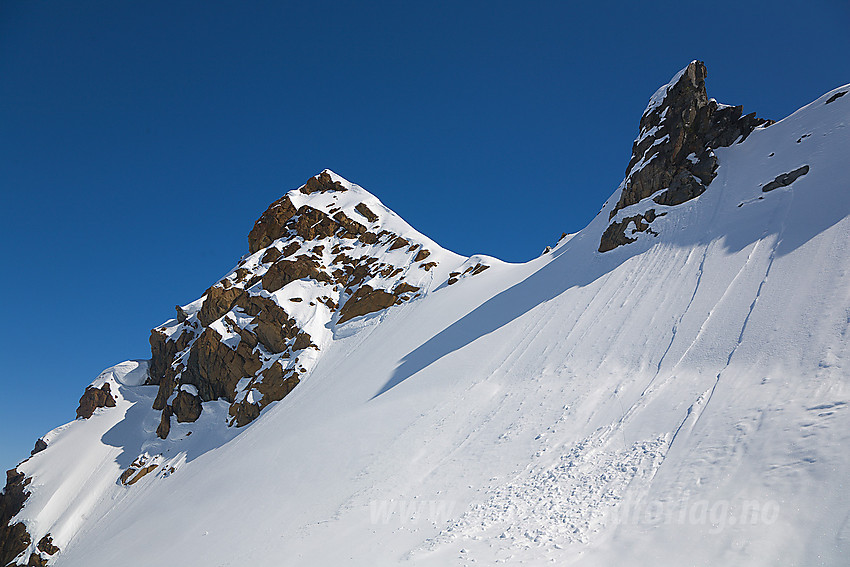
[
  {"x": 673, "y": 159},
  {"x": 318, "y": 257}
]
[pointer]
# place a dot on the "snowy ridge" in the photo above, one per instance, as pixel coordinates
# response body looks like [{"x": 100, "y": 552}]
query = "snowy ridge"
[
  {"x": 679, "y": 400},
  {"x": 658, "y": 97}
]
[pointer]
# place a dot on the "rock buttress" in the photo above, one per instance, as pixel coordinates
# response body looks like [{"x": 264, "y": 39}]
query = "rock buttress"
[{"x": 673, "y": 157}]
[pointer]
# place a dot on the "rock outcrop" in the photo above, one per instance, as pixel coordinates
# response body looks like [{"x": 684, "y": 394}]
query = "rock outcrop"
[
  {"x": 673, "y": 159},
  {"x": 94, "y": 398},
  {"x": 14, "y": 538}
]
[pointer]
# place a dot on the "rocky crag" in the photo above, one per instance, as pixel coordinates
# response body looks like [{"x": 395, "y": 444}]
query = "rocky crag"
[
  {"x": 318, "y": 257},
  {"x": 673, "y": 159}
]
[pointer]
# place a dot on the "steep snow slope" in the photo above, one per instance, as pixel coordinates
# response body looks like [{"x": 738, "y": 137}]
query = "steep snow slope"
[{"x": 679, "y": 399}]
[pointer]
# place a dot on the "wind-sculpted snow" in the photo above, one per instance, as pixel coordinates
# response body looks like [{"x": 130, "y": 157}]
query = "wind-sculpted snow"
[{"x": 679, "y": 400}]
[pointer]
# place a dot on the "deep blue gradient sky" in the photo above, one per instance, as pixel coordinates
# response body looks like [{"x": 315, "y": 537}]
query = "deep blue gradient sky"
[{"x": 139, "y": 140}]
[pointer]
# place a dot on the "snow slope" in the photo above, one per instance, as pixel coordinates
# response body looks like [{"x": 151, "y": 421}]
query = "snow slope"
[{"x": 680, "y": 400}]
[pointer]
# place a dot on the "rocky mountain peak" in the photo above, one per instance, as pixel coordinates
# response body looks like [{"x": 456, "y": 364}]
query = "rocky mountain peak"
[
  {"x": 320, "y": 256},
  {"x": 672, "y": 158}
]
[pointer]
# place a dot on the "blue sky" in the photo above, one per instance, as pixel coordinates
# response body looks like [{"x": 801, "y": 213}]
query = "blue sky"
[{"x": 139, "y": 141}]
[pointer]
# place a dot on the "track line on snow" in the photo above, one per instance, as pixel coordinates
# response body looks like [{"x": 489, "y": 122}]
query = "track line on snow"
[
  {"x": 740, "y": 340},
  {"x": 678, "y": 322}
]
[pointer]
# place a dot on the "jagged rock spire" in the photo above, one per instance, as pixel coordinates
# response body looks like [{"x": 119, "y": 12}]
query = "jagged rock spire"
[{"x": 673, "y": 157}]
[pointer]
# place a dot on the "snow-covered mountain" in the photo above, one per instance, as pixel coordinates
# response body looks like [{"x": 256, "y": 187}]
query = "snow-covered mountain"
[{"x": 667, "y": 386}]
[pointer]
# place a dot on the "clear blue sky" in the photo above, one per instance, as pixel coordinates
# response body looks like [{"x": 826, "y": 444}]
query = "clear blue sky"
[{"x": 140, "y": 140}]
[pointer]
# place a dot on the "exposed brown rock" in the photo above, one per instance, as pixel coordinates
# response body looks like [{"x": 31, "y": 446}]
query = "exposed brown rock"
[
  {"x": 479, "y": 268},
  {"x": 275, "y": 384},
  {"x": 125, "y": 476},
  {"x": 270, "y": 226},
  {"x": 14, "y": 538},
  {"x": 164, "y": 427},
  {"x": 365, "y": 300},
  {"x": 352, "y": 227},
  {"x": 368, "y": 238},
  {"x": 421, "y": 255},
  {"x": 283, "y": 272},
  {"x": 244, "y": 413},
  {"x": 195, "y": 354},
  {"x": 428, "y": 265},
  {"x": 274, "y": 328},
  {"x": 404, "y": 287},
  {"x": 218, "y": 302},
  {"x": 321, "y": 183},
  {"x": 36, "y": 560},
  {"x": 302, "y": 341},
  {"x": 214, "y": 369},
  {"x": 44, "y": 548},
  {"x": 140, "y": 474},
  {"x": 241, "y": 274},
  {"x": 311, "y": 223},
  {"x": 786, "y": 179},
  {"x": 163, "y": 352},
  {"x": 270, "y": 255},
  {"x": 399, "y": 242},
  {"x": 290, "y": 249},
  {"x": 186, "y": 407},
  {"x": 94, "y": 398},
  {"x": 181, "y": 315},
  {"x": 45, "y": 545},
  {"x": 366, "y": 212}
]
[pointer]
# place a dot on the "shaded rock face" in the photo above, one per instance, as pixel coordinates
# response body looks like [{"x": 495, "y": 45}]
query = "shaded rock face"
[
  {"x": 164, "y": 427},
  {"x": 186, "y": 407},
  {"x": 14, "y": 538},
  {"x": 617, "y": 232},
  {"x": 243, "y": 342},
  {"x": 40, "y": 446},
  {"x": 94, "y": 398},
  {"x": 673, "y": 157},
  {"x": 269, "y": 226}
]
